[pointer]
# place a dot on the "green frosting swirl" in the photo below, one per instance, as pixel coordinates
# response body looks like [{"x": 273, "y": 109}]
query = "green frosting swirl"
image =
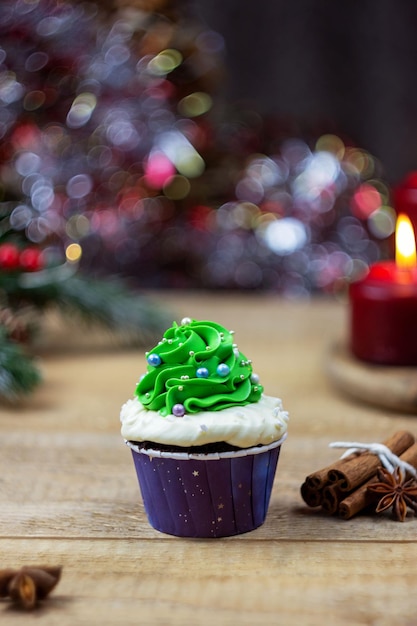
[{"x": 183, "y": 351}]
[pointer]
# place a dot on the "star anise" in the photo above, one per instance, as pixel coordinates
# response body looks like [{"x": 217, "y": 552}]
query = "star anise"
[
  {"x": 26, "y": 586},
  {"x": 396, "y": 492}
]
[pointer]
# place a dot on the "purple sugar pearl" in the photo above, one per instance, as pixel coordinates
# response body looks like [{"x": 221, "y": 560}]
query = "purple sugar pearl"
[{"x": 178, "y": 410}]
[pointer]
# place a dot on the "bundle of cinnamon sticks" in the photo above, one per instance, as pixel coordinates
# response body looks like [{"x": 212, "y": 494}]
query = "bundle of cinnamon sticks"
[{"x": 342, "y": 488}]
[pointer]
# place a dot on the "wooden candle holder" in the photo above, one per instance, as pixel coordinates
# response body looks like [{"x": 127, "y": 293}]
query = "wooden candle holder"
[{"x": 393, "y": 388}]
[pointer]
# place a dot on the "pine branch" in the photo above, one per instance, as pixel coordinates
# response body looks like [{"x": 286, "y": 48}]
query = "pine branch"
[
  {"x": 106, "y": 302},
  {"x": 111, "y": 304},
  {"x": 18, "y": 373}
]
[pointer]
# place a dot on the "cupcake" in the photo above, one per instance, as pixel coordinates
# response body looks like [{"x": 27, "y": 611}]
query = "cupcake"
[{"x": 204, "y": 437}]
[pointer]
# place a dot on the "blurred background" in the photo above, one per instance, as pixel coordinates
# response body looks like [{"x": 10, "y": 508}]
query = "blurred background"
[
  {"x": 323, "y": 66},
  {"x": 205, "y": 145}
]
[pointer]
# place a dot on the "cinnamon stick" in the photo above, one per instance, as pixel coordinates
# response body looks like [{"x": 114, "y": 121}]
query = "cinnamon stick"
[
  {"x": 361, "y": 467},
  {"x": 359, "y": 499},
  {"x": 331, "y": 496},
  {"x": 312, "y": 487},
  {"x": 318, "y": 479},
  {"x": 311, "y": 495}
]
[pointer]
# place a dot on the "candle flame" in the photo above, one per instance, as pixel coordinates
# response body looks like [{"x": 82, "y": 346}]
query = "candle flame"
[{"x": 405, "y": 243}]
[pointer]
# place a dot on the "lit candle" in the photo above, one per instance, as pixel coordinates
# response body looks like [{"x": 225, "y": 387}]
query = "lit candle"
[{"x": 383, "y": 305}]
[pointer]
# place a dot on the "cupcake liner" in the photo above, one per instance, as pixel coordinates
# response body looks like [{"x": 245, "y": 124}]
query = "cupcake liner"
[{"x": 206, "y": 495}]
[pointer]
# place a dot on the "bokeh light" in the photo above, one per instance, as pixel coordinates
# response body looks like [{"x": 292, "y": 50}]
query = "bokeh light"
[
  {"x": 73, "y": 252},
  {"x": 113, "y": 145},
  {"x": 285, "y": 235},
  {"x": 195, "y": 104}
]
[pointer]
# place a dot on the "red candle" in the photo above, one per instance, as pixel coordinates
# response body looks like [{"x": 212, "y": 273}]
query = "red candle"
[{"x": 383, "y": 306}]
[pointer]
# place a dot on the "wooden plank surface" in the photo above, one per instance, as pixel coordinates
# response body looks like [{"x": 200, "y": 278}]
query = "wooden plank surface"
[{"x": 68, "y": 492}]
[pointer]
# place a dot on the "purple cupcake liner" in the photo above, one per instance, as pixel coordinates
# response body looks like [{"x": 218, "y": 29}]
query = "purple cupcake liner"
[{"x": 206, "y": 495}]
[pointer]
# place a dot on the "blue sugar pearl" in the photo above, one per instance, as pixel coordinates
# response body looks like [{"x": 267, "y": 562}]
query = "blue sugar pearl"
[
  {"x": 178, "y": 410},
  {"x": 223, "y": 369},
  {"x": 154, "y": 359},
  {"x": 202, "y": 372}
]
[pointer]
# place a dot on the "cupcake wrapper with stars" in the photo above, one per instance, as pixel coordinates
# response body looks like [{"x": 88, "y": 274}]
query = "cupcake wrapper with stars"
[{"x": 217, "y": 495}]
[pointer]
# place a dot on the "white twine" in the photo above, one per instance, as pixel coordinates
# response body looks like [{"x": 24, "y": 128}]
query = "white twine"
[{"x": 388, "y": 459}]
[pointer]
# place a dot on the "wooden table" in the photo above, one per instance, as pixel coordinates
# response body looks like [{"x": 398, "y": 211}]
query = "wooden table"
[{"x": 68, "y": 492}]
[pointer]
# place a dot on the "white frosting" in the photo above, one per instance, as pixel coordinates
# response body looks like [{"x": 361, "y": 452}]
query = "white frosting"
[{"x": 244, "y": 426}]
